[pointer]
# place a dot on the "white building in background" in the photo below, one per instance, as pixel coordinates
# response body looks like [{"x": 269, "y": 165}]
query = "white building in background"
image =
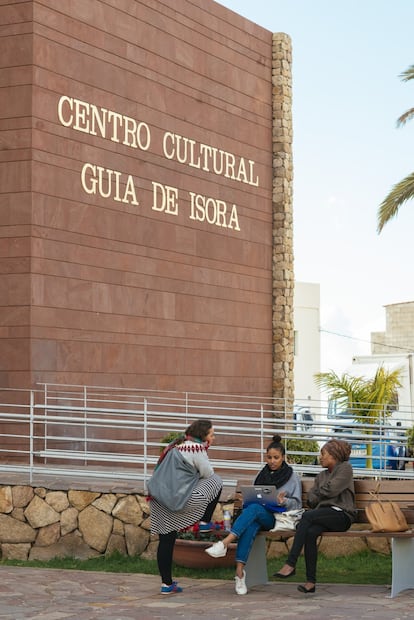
[
  {"x": 307, "y": 361},
  {"x": 393, "y": 348}
]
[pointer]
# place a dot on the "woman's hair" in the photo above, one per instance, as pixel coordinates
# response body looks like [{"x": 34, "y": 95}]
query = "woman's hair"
[
  {"x": 199, "y": 429},
  {"x": 276, "y": 444},
  {"x": 339, "y": 449}
]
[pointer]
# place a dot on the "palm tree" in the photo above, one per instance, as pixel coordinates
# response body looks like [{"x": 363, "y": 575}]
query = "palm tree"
[
  {"x": 369, "y": 401},
  {"x": 404, "y": 190}
]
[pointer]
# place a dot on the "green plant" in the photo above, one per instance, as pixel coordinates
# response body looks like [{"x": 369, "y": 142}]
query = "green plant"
[
  {"x": 404, "y": 190},
  {"x": 410, "y": 440},
  {"x": 169, "y": 438},
  {"x": 368, "y": 400},
  {"x": 304, "y": 446}
]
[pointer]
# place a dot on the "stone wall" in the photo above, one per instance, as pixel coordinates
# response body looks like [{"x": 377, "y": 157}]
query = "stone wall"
[
  {"x": 41, "y": 524},
  {"x": 282, "y": 203}
]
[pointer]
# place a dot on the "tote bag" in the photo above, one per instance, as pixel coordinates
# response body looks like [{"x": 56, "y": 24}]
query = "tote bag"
[
  {"x": 385, "y": 516},
  {"x": 173, "y": 481},
  {"x": 287, "y": 520}
]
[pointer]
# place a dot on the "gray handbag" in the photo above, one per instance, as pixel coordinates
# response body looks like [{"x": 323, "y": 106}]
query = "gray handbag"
[{"x": 173, "y": 481}]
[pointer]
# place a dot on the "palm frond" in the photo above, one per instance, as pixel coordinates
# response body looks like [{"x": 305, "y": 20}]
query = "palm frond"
[
  {"x": 408, "y": 74},
  {"x": 400, "y": 193},
  {"x": 383, "y": 389},
  {"x": 404, "y": 190},
  {"x": 407, "y": 116},
  {"x": 367, "y": 399}
]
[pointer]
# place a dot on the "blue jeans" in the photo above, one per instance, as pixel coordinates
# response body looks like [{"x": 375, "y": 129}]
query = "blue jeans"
[{"x": 252, "y": 519}]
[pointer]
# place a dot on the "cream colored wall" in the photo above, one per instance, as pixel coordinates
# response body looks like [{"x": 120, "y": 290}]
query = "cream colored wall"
[
  {"x": 307, "y": 359},
  {"x": 399, "y": 333}
]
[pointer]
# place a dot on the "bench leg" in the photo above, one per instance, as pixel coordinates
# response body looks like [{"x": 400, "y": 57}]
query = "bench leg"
[
  {"x": 256, "y": 566},
  {"x": 402, "y": 565}
]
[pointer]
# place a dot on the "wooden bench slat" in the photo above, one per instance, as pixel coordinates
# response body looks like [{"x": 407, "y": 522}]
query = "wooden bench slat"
[{"x": 352, "y": 533}]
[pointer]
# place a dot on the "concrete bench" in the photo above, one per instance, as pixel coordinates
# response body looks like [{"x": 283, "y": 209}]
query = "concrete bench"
[{"x": 402, "y": 543}]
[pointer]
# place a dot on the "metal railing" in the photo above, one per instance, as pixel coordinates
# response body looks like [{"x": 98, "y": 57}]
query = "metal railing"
[{"x": 95, "y": 432}]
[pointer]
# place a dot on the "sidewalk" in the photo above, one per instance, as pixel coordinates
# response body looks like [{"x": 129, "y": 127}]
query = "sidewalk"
[{"x": 52, "y": 594}]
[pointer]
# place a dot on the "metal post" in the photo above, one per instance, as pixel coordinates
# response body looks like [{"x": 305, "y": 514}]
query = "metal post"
[
  {"x": 31, "y": 431},
  {"x": 45, "y": 423},
  {"x": 261, "y": 433},
  {"x": 85, "y": 425},
  {"x": 145, "y": 442}
]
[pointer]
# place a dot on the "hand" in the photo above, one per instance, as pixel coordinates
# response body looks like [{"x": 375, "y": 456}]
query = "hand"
[{"x": 281, "y": 498}]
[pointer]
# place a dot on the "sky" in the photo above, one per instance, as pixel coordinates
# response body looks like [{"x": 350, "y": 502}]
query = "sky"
[{"x": 348, "y": 56}]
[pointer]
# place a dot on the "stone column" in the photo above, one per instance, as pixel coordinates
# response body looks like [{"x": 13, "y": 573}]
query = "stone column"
[{"x": 283, "y": 276}]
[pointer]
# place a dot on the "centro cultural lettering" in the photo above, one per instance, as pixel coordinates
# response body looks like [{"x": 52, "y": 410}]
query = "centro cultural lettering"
[
  {"x": 209, "y": 158},
  {"x": 88, "y": 118},
  {"x": 97, "y": 121}
]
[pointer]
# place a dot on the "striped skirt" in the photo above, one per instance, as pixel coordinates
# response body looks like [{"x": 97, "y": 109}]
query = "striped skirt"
[{"x": 164, "y": 520}]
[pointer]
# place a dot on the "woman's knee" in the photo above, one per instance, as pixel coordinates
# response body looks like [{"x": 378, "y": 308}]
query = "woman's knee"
[
  {"x": 306, "y": 521},
  {"x": 254, "y": 510}
]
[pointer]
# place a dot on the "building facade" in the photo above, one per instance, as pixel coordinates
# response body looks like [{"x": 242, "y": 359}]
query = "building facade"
[
  {"x": 398, "y": 336},
  {"x": 146, "y": 201}
]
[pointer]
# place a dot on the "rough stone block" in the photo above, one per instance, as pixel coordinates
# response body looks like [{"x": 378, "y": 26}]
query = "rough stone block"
[
  {"x": 19, "y": 551},
  {"x": 22, "y": 496},
  {"x": 39, "y": 513},
  {"x": 6, "y": 500},
  {"x": 48, "y": 535},
  {"x": 68, "y": 521},
  {"x": 12, "y": 531},
  {"x": 136, "y": 539},
  {"x": 128, "y": 510},
  {"x": 95, "y": 527},
  {"x": 81, "y": 499}
]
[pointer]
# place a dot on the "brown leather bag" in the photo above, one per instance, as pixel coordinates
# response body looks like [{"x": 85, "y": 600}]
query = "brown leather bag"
[{"x": 384, "y": 515}]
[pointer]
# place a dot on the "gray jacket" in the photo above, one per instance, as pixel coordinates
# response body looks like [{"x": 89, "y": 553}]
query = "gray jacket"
[{"x": 335, "y": 488}]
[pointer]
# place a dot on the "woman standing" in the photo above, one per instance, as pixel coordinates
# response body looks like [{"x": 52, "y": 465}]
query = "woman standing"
[
  {"x": 332, "y": 499},
  {"x": 254, "y": 517},
  {"x": 193, "y": 445}
]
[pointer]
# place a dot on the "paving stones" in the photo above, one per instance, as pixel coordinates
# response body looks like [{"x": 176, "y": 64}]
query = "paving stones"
[{"x": 52, "y": 594}]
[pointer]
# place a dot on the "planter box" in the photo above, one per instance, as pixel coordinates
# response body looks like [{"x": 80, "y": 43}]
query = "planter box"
[{"x": 191, "y": 554}]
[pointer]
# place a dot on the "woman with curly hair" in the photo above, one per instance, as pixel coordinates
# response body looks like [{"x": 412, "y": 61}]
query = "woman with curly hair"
[
  {"x": 332, "y": 503},
  {"x": 193, "y": 445}
]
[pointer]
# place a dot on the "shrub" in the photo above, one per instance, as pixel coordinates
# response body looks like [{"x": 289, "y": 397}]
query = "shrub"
[
  {"x": 302, "y": 445},
  {"x": 410, "y": 440},
  {"x": 169, "y": 438}
]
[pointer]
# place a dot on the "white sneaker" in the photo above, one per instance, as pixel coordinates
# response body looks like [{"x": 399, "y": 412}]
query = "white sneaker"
[
  {"x": 218, "y": 550},
  {"x": 241, "y": 584}
]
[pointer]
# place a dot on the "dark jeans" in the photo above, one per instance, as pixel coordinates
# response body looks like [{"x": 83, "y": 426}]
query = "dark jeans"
[
  {"x": 166, "y": 545},
  {"x": 310, "y": 527}
]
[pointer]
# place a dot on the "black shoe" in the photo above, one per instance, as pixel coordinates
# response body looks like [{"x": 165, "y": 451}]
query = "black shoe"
[
  {"x": 280, "y": 576},
  {"x": 306, "y": 590}
]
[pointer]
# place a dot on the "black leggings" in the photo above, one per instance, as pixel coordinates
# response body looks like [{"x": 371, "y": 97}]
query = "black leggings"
[
  {"x": 165, "y": 555},
  {"x": 310, "y": 527},
  {"x": 166, "y": 545}
]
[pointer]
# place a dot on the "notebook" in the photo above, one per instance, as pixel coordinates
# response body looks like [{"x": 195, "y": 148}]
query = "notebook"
[{"x": 264, "y": 495}]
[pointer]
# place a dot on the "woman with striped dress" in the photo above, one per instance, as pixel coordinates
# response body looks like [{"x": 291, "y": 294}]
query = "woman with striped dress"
[{"x": 193, "y": 445}]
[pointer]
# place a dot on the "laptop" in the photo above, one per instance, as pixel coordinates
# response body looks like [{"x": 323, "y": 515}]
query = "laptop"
[{"x": 264, "y": 495}]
